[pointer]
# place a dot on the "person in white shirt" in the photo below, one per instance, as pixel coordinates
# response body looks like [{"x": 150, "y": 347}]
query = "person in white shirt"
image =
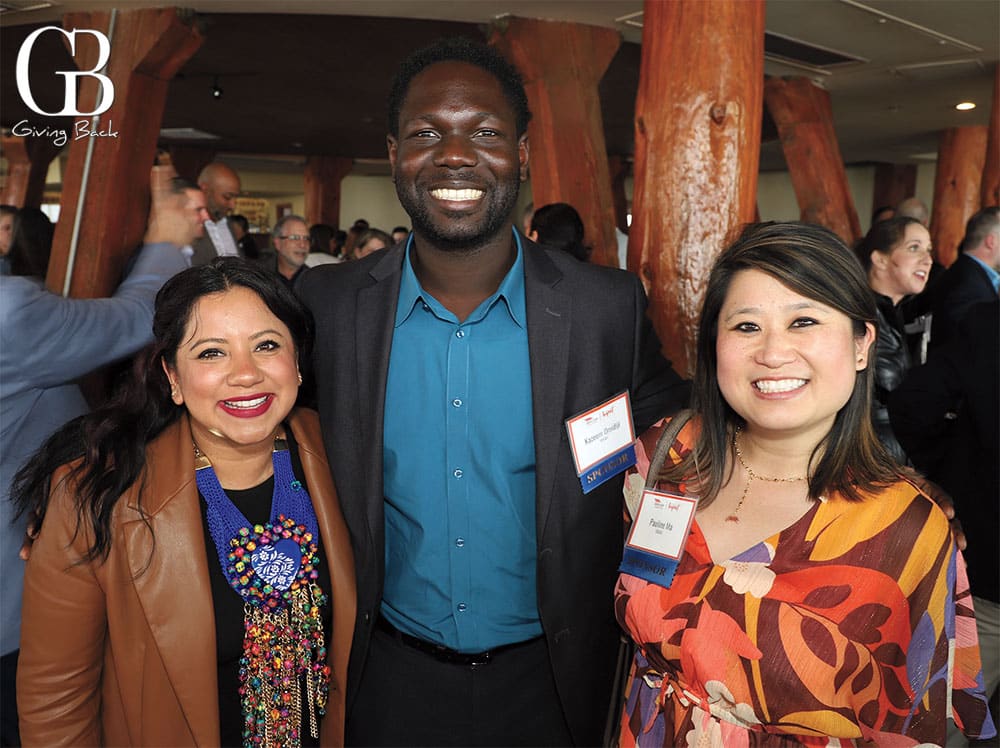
[{"x": 221, "y": 186}]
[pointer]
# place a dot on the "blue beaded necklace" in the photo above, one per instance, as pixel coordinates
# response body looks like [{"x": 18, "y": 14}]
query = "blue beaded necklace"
[{"x": 273, "y": 567}]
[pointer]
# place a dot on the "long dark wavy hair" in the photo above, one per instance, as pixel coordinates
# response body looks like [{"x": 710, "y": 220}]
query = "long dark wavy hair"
[
  {"x": 110, "y": 443},
  {"x": 813, "y": 262}
]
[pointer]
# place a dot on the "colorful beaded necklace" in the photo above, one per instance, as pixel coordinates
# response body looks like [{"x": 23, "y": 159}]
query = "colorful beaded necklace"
[{"x": 273, "y": 567}]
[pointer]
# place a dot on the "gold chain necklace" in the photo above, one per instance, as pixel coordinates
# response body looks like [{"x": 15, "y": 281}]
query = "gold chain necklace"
[{"x": 752, "y": 476}]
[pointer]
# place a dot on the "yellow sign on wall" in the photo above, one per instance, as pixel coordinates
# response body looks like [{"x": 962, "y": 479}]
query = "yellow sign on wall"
[{"x": 257, "y": 211}]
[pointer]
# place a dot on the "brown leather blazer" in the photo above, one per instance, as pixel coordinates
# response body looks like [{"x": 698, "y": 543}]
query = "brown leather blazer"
[{"x": 123, "y": 652}]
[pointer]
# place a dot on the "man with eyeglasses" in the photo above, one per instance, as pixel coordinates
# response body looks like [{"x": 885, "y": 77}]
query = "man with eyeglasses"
[
  {"x": 221, "y": 186},
  {"x": 290, "y": 237}
]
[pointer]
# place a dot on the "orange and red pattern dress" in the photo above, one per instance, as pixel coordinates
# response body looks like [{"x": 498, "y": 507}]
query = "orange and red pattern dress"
[{"x": 853, "y": 626}]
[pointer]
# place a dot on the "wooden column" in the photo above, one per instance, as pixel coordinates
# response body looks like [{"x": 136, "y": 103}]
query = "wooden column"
[
  {"x": 562, "y": 65},
  {"x": 323, "y": 176},
  {"x": 28, "y": 162},
  {"x": 893, "y": 184},
  {"x": 804, "y": 117},
  {"x": 147, "y": 49},
  {"x": 618, "y": 169},
  {"x": 990, "y": 191},
  {"x": 697, "y": 150},
  {"x": 188, "y": 161},
  {"x": 957, "y": 182}
]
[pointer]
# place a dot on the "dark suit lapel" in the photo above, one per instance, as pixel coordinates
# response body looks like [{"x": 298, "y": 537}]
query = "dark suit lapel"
[
  {"x": 986, "y": 289},
  {"x": 170, "y": 573},
  {"x": 376, "y": 311},
  {"x": 549, "y": 316}
]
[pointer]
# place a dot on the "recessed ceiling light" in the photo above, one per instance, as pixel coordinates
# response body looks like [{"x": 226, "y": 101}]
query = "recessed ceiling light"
[{"x": 965, "y": 106}]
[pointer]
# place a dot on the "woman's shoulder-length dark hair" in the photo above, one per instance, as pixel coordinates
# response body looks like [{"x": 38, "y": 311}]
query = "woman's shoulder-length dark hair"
[
  {"x": 109, "y": 444},
  {"x": 814, "y": 262},
  {"x": 883, "y": 237}
]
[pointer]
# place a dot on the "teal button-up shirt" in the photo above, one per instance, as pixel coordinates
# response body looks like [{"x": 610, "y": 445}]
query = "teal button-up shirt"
[{"x": 459, "y": 470}]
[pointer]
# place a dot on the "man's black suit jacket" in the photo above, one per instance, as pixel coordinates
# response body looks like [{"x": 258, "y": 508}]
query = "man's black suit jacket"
[
  {"x": 588, "y": 339},
  {"x": 964, "y": 283},
  {"x": 945, "y": 416}
]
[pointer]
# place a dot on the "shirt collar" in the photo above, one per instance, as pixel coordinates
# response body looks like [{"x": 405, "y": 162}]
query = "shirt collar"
[{"x": 511, "y": 291}]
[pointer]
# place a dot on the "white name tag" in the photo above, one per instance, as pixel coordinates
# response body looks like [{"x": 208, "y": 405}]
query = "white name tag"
[
  {"x": 602, "y": 441},
  {"x": 601, "y": 432},
  {"x": 662, "y": 525}
]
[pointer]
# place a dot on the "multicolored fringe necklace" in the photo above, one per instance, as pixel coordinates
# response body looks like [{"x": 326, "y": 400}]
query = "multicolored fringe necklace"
[{"x": 273, "y": 567}]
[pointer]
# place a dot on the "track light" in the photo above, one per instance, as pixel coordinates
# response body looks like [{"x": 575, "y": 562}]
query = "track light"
[{"x": 216, "y": 88}]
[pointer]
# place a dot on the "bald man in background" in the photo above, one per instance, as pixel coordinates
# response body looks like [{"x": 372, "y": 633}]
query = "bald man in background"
[{"x": 221, "y": 186}]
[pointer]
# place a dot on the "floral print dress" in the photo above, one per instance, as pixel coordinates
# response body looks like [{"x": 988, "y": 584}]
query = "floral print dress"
[{"x": 853, "y": 626}]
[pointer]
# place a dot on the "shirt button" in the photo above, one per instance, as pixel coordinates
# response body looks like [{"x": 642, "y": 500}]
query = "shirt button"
[
  {"x": 426, "y": 308},
  {"x": 459, "y": 542},
  {"x": 462, "y": 607},
  {"x": 460, "y": 333},
  {"x": 457, "y": 403},
  {"x": 458, "y": 473}
]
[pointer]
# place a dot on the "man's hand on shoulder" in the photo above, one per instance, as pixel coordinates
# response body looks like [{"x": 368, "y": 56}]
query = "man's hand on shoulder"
[{"x": 944, "y": 501}]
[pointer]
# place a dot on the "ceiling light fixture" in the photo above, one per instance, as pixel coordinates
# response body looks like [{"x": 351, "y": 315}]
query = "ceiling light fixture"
[
  {"x": 965, "y": 106},
  {"x": 216, "y": 88}
]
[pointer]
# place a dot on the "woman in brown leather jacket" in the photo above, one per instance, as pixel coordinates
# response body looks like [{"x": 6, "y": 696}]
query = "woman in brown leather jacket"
[{"x": 193, "y": 581}]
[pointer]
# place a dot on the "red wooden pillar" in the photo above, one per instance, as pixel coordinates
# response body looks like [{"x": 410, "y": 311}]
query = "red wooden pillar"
[
  {"x": 188, "y": 161},
  {"x": 28, "y": 162},
  {"x": 804, "y": 117},
  {"x": 618, "y": 169},
  {"x": 961, "y": 154},
  {"x": 697, "y": 150},
  {"x": 562, "y": 65},
  {"x": 147, "y": 49},
  {"x": 893, "y": 184},
  {"x": 990, "y": 191},
  {"x": 323, "y": 176}
]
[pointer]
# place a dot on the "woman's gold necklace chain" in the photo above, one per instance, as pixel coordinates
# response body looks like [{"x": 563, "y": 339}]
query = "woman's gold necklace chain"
[{"x": 752, "y": 476}]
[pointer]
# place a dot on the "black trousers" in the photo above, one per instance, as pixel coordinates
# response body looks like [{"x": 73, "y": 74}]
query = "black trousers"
[
  {"x": 8, "y": 700},
  {"x": 410, "y": 698}
]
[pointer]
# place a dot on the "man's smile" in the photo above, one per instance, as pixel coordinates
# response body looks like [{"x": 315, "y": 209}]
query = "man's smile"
[{"x": 461, "y": 195}]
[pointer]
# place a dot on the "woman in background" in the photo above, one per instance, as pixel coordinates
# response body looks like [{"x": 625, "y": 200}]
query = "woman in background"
[{"x": 897, "y": 255}]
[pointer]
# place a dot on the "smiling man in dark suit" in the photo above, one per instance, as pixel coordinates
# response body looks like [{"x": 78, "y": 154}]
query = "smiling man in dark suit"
[{"x": 445, "y": 368}]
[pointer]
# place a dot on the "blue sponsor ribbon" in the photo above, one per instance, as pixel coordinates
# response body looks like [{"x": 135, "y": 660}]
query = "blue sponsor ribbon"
[
  {"x": 607, "y": 468},
  {"x": 653, "y": 567}
]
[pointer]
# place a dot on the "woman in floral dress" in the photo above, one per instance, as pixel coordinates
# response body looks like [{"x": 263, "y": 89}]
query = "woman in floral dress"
[{"x": 819, "y": 598}]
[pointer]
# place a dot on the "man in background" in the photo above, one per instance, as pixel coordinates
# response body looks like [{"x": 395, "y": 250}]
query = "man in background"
[
  {"x": 913, "y": 207},
  {"x": 290, "y": 237},
  {"x": 221, "y": 186},
  {"x": 972, "y": 279}
]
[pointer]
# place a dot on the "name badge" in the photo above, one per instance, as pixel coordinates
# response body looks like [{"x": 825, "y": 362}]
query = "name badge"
[
  {"x": 602, "y": 440},
  {"x": 656, "y": 541}
]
